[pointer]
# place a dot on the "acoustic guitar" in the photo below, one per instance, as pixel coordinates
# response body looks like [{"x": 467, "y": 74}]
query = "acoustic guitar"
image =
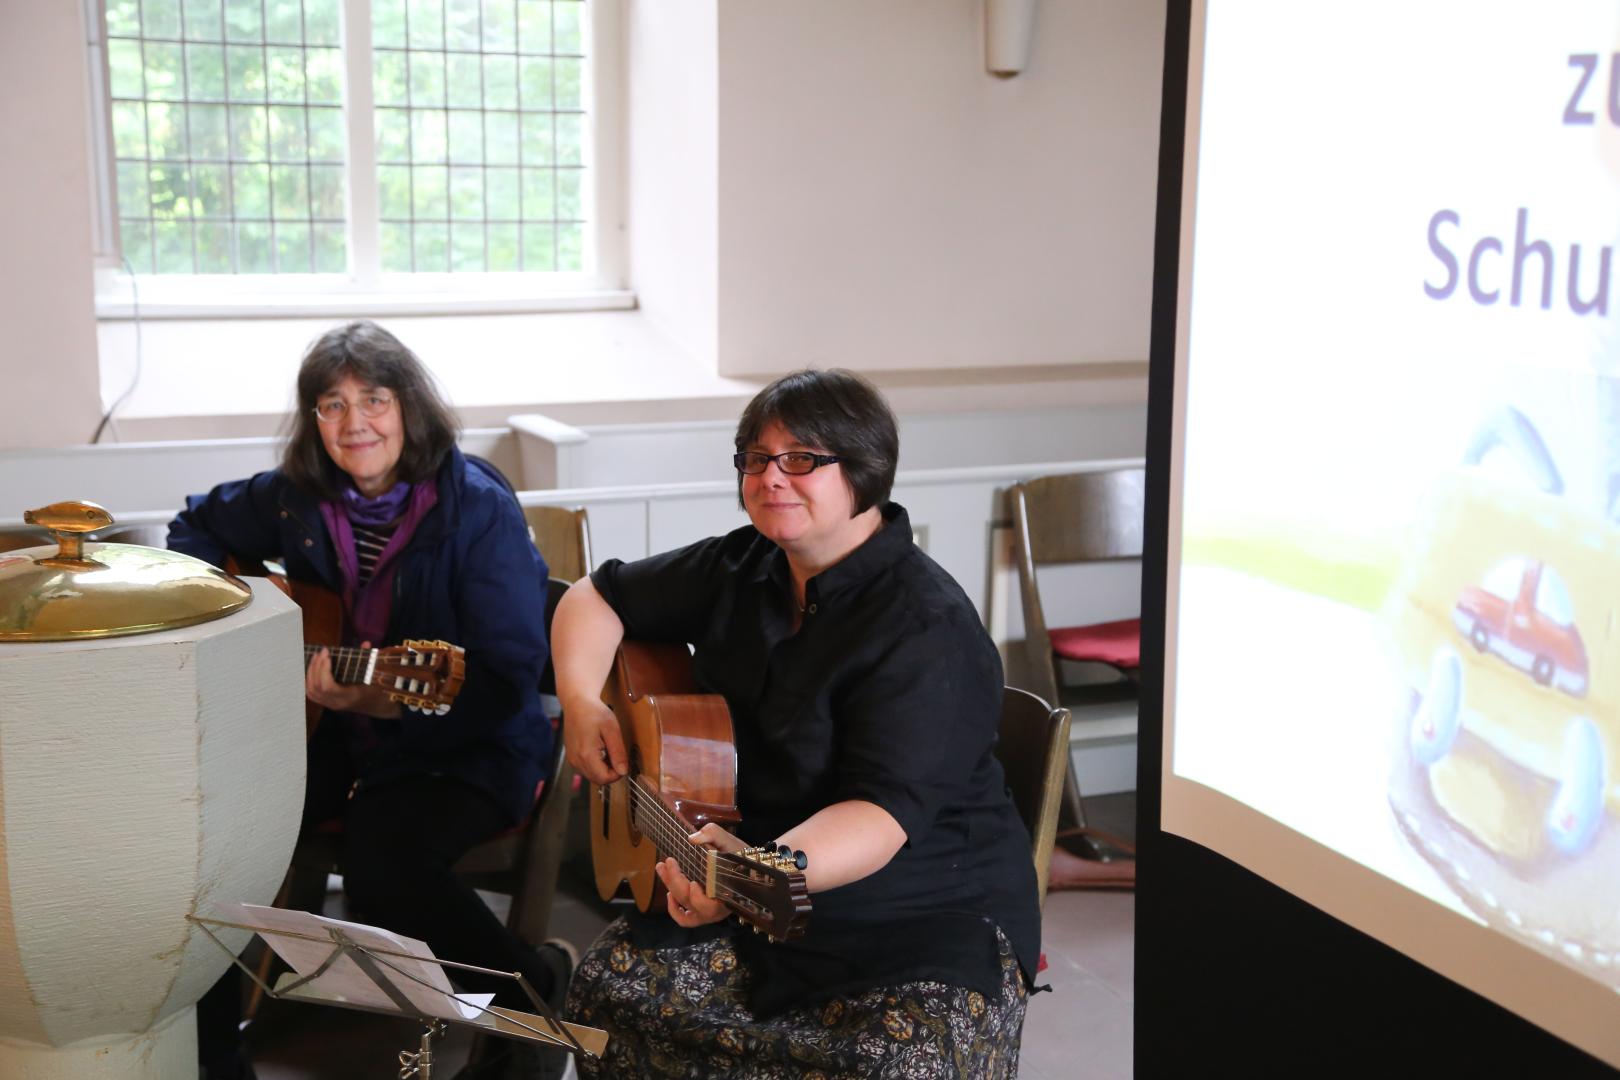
[
  {"x": 421, "y": 675},
  {"x": 683, "y": 775}
]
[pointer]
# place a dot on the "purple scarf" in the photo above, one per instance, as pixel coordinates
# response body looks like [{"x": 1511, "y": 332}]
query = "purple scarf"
[{"x": 367, "y": 608}]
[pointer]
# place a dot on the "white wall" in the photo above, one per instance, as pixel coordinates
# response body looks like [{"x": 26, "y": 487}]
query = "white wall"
[
  {"x": 49, "y": 380},
  {"x": 886, "y": 203}
]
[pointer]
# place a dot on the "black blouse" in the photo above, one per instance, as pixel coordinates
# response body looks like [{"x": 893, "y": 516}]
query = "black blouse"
[{"x": 889, "y": 692}]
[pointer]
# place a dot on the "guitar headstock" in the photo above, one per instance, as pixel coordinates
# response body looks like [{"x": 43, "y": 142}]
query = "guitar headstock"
[
  {"x": 421, "y": 675},
  {"x": 765, "y": 889}
]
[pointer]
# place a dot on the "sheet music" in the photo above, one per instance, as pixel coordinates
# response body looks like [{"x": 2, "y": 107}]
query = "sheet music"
[{"x": 344, "y": 981}]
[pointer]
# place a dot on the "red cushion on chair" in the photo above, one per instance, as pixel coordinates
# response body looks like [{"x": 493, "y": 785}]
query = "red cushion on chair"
[{"x": 1118, "y": 643}]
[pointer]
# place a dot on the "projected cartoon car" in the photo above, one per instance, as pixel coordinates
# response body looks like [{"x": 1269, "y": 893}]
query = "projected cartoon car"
[
  {"x": 1513, "y": 716},
  {"x": 1522, "y": 612}
]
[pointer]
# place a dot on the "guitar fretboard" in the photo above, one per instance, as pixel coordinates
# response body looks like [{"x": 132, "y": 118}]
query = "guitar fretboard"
[{"x": 349, "y": 665}]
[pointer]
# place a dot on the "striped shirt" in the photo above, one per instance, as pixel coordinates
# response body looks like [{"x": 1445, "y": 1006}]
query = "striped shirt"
[{"x": 368, "y": 544}]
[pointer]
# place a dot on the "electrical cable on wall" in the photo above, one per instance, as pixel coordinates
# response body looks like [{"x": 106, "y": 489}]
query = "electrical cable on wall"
[{"x": 135, "y": 303}]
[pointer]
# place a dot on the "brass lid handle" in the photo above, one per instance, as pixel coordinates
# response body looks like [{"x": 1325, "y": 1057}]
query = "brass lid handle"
[{"x": 68, "y": 522}]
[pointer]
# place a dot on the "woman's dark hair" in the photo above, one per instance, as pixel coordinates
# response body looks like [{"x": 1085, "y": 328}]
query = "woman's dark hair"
[
  {"x": 377, "y": 358},
  {"x": 836, "y": 411}
]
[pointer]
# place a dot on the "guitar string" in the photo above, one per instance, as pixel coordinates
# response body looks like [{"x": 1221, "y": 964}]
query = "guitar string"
[{"x": 673, "y": 829}]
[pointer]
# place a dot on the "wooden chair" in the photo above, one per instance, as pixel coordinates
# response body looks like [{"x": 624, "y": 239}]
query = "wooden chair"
[
  {"x": 1033, "y": 746},
  {"x": 1067, "y": 519},
  {"x": 563, "y": 535}
]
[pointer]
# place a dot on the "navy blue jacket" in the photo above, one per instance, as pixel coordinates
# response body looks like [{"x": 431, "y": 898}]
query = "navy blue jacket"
[{"x": 469, "y": 576}]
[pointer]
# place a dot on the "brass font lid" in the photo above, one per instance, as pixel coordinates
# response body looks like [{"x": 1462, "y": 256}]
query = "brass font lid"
[{"x": 79, "y": 590}]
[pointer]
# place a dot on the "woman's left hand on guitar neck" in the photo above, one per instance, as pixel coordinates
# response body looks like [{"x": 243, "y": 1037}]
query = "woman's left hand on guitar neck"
[
  {"x": 688, "y": 904},
  {"x": 321, "y": 688}
]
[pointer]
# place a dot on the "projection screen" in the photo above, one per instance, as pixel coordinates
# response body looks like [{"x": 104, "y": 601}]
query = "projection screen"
[{"x": 1393, "y": 618}]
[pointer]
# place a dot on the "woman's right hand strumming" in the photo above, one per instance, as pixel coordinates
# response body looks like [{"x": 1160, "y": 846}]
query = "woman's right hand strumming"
[{"x": 595, "y": 744}]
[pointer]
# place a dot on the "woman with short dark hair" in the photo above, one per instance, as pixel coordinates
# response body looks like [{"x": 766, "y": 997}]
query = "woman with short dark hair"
[
  {"x": 864, "y": 695},
  {"x": 374, "y": 501}
]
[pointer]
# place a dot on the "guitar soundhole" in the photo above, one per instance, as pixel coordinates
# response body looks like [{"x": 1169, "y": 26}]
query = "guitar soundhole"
[{"x": 631, "y": 796}]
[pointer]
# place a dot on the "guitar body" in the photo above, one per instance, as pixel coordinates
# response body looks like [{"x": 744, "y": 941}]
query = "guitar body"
[
  {"x": 680, "y": 746},
  {"x": 323, "y": 625}
]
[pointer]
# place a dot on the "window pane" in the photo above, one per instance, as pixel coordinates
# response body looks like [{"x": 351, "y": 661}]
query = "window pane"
[
  {"x": 123, "y": 18},
  {"x": 166, "y": 130},
  {"x": 538, "y": 145},
  {"x": 324, "y": 68},
  {"x": 326, "y": 192},
  {"x": 500, "y": 25},
  {"x": 396, "y": 249},
  {"x": 292, "y": 249},
  {"x": 500, "y": 82},
  {"x": 286, "y": 74},
  {"x": 253, "y": 248},
  {"x": 160, "y": 18},
  {"x": 173, "y": 247},
  {"x": 567, "y": 23},
  {"x": 503, "y": 248},
  {"x": 289, "y": 192},
  {"x": 132, "y": 192},
  {"x": 210, "y": 137},
  {"x": 467, "y": 248},
  {"x": 331, "y": 249},
  {"x": 464, "y": 78},
  {"x": 466, "y": 137},
  {"x": 534, "y": 26},
  {"x": 427, "y": 78},
  {"x": 244, "y": 72},
  {"x": 321, "y": 26},
  {"x": 129, "y": 129},
  {"x": 426, "y": 18},
  {"x": 249, "y": 133},
  {"x": 212, "y": 186},
  {"x": 205, "y": 72},
  {"x": 326, "y": 134},
  {"x": 536, "y": 82},
  {"x": 539, "y": 201},
  {"x": 501, "y": 195},
  {"x": 283, "y": 20},
  {"x": 388, "y": 77},
  {"x": 467, "y": 194},
  {"x": 568, "y": 84},
  {"x": 287, "y": 135},
  {"x": 432, "y": 247},
  {"x": 570, "y": 139},
  {"x": 243, "y": 20},
  {"x": 251, "y": 188},
  {"x": 388, "y": 23},
  {"x": 171, "y": 190},
  {"x": 203, "y": 21},
  {"x": 461, "y": 24},
  {"x": 429, "y": 193},
  {"x": 393, "y": 135},
  {"x": 165, "y": 64},
  {"x": 571, "y": 248},
  {"x": 213, "y": 248},
  {"x": 501, "y": 138},
  {"x": 127, "y": 69},
  {"x": 569, "y": 207},
  {"x": 394, "y": 192},
  {"x": 539, "y": 248},
  {"x": 135, "y": 238},
  {"x": 427, "y": 135}
]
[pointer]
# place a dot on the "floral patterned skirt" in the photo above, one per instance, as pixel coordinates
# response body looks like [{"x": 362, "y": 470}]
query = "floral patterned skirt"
[{"x": 682, "y": 1012}]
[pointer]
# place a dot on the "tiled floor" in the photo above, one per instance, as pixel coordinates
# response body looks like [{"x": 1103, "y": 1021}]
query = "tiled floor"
[{"x": 1082, "y": 1029}]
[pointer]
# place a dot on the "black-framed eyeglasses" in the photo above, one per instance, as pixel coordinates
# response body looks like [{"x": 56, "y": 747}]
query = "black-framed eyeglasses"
[
  {"x": 371, "y": 406},
  {"x": 794, "y": 462}
]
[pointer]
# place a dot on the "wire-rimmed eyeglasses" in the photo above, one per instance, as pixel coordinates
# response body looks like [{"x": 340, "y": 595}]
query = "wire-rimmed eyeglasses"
[
  {"x": 793, "y": 462},
  {"x": 371, "y": 406}
]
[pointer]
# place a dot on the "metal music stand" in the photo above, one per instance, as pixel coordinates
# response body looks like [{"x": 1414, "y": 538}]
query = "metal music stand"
[{"x": 347, "y": 965}]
